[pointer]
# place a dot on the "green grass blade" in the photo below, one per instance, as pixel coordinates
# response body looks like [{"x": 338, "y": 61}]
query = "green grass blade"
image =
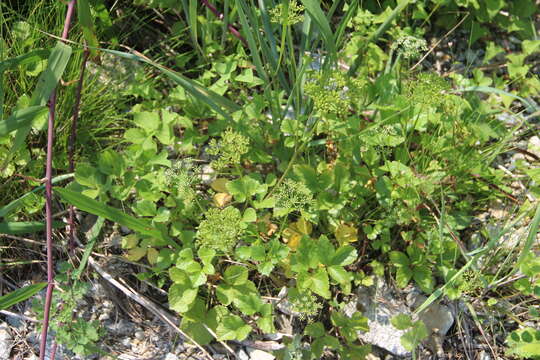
[
  {"x": 248, "y": 32},
  {"x": 95, "y": 207},
  {"x": 493, "y": 242},
  {"x": 206, "y": 96},
  {"x": 28, "y": 58},
  {"x": 402, "y": 4},
  {"x": 21, "y": 119},
  {"x": 49, "y": 78},
  {"x": 529, "y": 242},
  {"x": 92, "y": 236},
  {"x": 25, "y": 227},
  {"x": 87, "y": 25},
  {"x": 314, "y": 10},
  {"x": 531, "y": 107},
  {"x": 20, "y": 295},
  {"x": 47, "y": 81},
  {"x": 15, "y": 203}
]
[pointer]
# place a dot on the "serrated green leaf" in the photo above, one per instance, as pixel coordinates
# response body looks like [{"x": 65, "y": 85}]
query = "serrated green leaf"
[
  {"x": 232, "y": 327},
  {"x": 236, "y": 275}
]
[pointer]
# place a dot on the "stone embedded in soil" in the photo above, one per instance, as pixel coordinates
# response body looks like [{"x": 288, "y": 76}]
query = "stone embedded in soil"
[
  {"x": 256, "y": 354},
  {"x": 380, "y": 305},
  {"x": 6, "y": 341},
  {"x": 438, "y": 319}
]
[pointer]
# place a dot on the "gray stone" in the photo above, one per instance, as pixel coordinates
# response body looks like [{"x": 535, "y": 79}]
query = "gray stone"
[
  {"x": 242, "y": 355},
  {"x": 379, "y": 305},
  {"x": 170, "y": 356},
  {"x": 438, "y": 319},
  {"x": 6, "y": 341},
  {"x": 256, "y": 354}
]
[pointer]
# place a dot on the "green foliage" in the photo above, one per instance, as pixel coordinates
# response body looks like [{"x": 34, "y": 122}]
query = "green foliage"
[
  {"x": 221, "y": 229},
  {"x": 243, "y": 167},
  {"x": 524, "y": 343},
  {"x": 287, "y": 14},
  {"x": 229, "y": 149},
  {"x": 80, "y": 335}
]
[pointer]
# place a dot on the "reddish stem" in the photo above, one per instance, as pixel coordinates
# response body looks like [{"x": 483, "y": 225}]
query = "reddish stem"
[
  {"x": 48, "y": 203},
  {"x": 220, "y": 16}
]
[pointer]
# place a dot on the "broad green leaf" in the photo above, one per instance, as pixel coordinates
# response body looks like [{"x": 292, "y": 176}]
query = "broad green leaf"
[
  {"x": 399, "y": 259},
  {"x": 21, "y": 119},
  {"x": 422, "y": 275},
  {"x": 344, "y": 256},
  {"x": 401, "y": 321},
  {"x": 412, "y": 338},
  {"x": 243, "y": 188},
  {"x": 95, "y": 207},
  {"x": 181, "y": 297},
  {"x": 339, "y": 274},
  {"x": 236, "y": 275},
  {"x": 248, "y": 304},
  {"x": 20, "y": 295},
  {"x": 403, "y": 276},
  {"x": 317, "y": 282},
  {"x": 232, "y": 327},
  {"x": 250, "y": 215}
]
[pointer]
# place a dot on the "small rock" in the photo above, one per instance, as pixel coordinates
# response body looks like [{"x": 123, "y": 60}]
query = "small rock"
[
  {"x": 171, "y": 356},
  {"x": 6, "y": 341},
  {"x": 438, "y": 319},
  {"x": 140, "y": 335},
  {"x": 534, "y": 145},
  {"x": 242, "y": 355},
  {"x": 208, "y": 174},
  {"x": 122, "y": 327},
  {"x": 256, "y": 354},
  {"x": 380, "y": 305},
  {"x": 126, "y": 342}
]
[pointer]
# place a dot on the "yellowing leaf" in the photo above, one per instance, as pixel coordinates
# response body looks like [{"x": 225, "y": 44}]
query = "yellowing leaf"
[
  {"x": 222, "y": 199},
  {"x": 152, "y": 255},
  {"x": 295, "y": 231},
  {"x": 130, "y": 241},
  {"x": 136, "y": 254},
  {"x": 220, "y": 185},
  {"x": 346, "y": 234}
]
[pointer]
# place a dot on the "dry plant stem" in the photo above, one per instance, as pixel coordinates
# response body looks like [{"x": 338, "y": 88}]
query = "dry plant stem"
[
  {"x": 219, "y": 15},
  {"x": 144, "y": 302},
  {"x": 71, "y": 145},
  {"x": 438, "y": 42},
  {"x": 48, "y": 204}
]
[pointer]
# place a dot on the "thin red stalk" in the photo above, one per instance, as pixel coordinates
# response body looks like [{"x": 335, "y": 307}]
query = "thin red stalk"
[
  {"x": 220, "y": 16},
  {"x": 71, "y": 144},
  {"x": 48, "y": 203}
]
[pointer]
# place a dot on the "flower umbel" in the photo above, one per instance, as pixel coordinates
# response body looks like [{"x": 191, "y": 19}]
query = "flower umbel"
[
  {"x": 221, "y": 229},
  {"x": 304, "y": 303},
  {"x": 294, "y": 15},
  {"x": 410, "y": 47},
  {"x": 229, "y": 149},
  {"x": 291, "y": 196}
]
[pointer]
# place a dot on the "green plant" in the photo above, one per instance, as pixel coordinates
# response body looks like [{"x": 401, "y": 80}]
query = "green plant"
[{"x": 524, "y": 343}]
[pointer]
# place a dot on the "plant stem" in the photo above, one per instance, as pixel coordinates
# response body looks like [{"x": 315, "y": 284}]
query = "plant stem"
[
  {"x": 220, "y": 16},
  {"x": 48, "y": 203}
]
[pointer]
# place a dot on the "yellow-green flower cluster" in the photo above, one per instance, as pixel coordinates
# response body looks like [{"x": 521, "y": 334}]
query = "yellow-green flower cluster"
[
  {"x": 220, "y": 230},
  {"x": 304, "y": 303},
  {"x": 428, "y": 89},
  {"x": 293, "y": 16},
  {"x": 229, "y": 149},
  {"x": 333, "y": 93},
  {"x": 410, "y": 47},
  {"x": 291, "y": 196},
  {"x": 180, "y": 177}
]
